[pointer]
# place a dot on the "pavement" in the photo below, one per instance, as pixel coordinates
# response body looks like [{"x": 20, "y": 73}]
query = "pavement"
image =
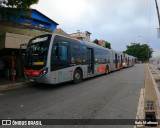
[
  {"x": 113, "y": 96},
  {"x": 96, "y": 100},
  {"x": 6, "y": 84}
]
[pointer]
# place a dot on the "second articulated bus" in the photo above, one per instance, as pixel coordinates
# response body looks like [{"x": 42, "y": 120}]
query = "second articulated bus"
[{"x": 54, "y": 59}]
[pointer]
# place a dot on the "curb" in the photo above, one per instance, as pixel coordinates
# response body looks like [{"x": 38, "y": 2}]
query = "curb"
[{"x": 13, "y": 86}]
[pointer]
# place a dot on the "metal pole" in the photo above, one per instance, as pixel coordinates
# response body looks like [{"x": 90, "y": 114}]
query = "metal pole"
[
  {"x": 158, "y": 12},
  {"x": 12, "y": 67}
]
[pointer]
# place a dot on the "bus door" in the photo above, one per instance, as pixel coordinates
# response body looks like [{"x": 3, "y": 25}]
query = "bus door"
[
  {"x": 90, "y": 56},
  {"x": 121, "y": 61},
  {"x": 116, "y": 61},
  {"x": 126, "y": 61}
]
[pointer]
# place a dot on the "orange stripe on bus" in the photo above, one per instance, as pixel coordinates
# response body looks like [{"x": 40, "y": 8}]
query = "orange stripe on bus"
[{"x": 101, "y": 69}]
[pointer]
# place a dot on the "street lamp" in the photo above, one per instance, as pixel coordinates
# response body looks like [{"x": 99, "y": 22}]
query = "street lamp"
[
  {"x": 147, "y": 44},
  {"x": 158, "y": 29},
  {"x": 157, "y": 13}
]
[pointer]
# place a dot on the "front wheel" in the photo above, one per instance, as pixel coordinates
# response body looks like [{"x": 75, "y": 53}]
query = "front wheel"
[{"x": 77, "y": 77}]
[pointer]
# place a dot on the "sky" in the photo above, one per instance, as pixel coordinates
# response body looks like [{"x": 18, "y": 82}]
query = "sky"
[{"x": 120, "y": 22}]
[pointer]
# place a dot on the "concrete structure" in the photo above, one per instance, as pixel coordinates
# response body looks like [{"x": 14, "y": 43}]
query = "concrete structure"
[
  {"x": 101, "y": 43},
  {"x": 81, "y": 35},
  {"x": 11, "y": 37}
]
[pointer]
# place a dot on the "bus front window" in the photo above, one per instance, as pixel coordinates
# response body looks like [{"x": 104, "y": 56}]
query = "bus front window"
[{"x": 36, "y": 53}]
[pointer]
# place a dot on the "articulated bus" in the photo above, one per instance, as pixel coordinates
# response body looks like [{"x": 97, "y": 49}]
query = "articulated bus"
[
  {"x": 128, "y": 61},
  {"x": 54, "y": 59}
]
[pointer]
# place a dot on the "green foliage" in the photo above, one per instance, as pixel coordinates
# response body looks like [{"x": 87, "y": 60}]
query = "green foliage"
[
  {"x": 107, "y": 45},
  {"x": 18, "y": 3},
  {"x": 95, "y": 41},
  {"x": 124, "y": 52},
  {"x": 142, "y": 51}
]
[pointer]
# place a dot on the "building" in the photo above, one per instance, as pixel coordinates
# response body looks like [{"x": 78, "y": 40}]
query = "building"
[
  {"x": 27, "y": 19},
  {"x": 81, "y": 35},
  {"x": 16, "y": 31},
  {"x": 61, "y": 32},
  {"x": 101, "y": 43}
]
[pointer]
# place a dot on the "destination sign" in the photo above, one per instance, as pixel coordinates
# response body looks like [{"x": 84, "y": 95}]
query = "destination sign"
[{"x": 40, "y": 39}]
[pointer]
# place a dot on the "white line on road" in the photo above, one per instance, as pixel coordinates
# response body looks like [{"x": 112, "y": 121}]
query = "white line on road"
[{"x": 140, "y": 109}]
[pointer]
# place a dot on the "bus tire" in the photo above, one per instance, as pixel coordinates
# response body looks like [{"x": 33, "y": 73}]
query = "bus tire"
[
  {"x": 107, "y": 70},
  {"x": 77, "y": 77}
]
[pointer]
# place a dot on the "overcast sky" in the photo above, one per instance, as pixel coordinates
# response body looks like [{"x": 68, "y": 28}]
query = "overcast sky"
[{"x": 119, "y": 22}]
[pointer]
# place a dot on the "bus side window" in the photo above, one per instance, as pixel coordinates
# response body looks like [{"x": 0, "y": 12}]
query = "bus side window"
[
  {"x": 96, "y": 60},
  {"x": 55, "y": 52},
  {"x": 63, "y": 53},
  {"x": 106, "y": 57},
  {"x": 59, "y": 53},
  {"x": 76, "y": 54},
  {"x": 84, "y": 55},
  {"x": 103, "y": 57}
]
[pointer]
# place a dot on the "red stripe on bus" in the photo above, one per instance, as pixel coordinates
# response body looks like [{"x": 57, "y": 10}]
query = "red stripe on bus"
[{"x": 34, "y": 73}]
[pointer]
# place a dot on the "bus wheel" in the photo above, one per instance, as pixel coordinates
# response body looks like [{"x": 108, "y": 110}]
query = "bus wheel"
[
  {"x": 107, "y": 70},
  {"x": 77, "y": 77}
]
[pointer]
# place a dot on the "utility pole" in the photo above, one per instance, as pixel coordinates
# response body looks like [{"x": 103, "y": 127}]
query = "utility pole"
[
  {"x": 158, "y": 12},
  {"x": 158, "y": 29}
]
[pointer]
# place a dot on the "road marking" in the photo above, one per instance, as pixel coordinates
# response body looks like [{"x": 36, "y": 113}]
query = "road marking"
[{"x": 140, "y": 108}]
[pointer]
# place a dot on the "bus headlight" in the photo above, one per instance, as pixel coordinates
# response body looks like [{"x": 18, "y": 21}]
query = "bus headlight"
[{"x": 44, "y": 71}]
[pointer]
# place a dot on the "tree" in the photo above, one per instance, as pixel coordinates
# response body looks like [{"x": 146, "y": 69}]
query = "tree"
[
  {"x": 18, "y": 3},
  {"x": 142, "y": 51},
  {"x": 107, "y": 45},
  {"x": 96, "y": 41}
]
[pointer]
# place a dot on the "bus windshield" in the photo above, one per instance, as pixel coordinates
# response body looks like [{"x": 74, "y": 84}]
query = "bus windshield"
[{"x": 36, "y": 52}]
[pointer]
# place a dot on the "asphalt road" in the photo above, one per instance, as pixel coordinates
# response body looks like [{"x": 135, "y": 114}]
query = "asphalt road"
[{"x": 113, "y": 96}]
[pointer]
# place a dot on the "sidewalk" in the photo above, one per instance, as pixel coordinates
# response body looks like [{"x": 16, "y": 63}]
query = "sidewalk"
[
  {"x": 6, "y": 84},
  {"x": 5, "y": 81}
]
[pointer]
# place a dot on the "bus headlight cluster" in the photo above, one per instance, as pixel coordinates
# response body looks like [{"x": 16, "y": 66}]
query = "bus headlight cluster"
[{"x": 44, "y": 71}]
